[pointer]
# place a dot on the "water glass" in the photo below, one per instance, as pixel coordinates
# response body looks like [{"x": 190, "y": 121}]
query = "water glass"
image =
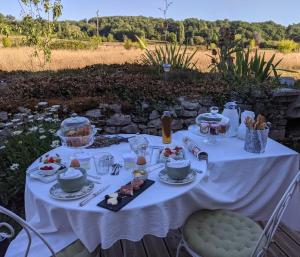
[
  {"x": 103, "y": 163},
  {"x": 139, "y": 145}
]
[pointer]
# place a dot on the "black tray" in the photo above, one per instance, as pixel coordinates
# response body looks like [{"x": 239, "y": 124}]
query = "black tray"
[{"x": 128, "y": 199}]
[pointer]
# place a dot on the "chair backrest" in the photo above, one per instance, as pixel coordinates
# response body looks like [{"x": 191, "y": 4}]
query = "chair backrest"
[
  {"x": 27, "y": 228},
  {"x": 273, "y": 223}
]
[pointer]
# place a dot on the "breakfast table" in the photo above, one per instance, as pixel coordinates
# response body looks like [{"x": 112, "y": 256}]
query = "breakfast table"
[{"x": 234, "y": 179}]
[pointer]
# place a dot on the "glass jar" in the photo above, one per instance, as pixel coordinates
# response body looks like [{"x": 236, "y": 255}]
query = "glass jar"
[{"x": 212, "y": 125}]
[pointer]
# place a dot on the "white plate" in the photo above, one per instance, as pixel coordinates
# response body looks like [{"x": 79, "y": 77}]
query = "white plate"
[
  {"x": 166, "y": 179},
  {"x": 58, "y": 194}
]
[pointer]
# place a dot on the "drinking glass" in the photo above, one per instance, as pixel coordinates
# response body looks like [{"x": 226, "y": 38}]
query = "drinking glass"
[
  {"x": 103, "y": 163},
  {"x": 139, "y": 145}
]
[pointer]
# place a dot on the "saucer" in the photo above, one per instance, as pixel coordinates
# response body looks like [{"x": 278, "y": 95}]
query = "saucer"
[
  {"x": 163, "y": 176},
  {"x": 58, "y": 194}
]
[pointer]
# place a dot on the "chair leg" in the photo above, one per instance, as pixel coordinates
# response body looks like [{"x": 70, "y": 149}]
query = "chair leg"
[{"x": 180, "y": 245}]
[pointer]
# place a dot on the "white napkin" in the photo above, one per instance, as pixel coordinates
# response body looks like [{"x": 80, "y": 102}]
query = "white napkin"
[
  {"x": 71, "y": 173},
  {"x": 178, "y": 164}
]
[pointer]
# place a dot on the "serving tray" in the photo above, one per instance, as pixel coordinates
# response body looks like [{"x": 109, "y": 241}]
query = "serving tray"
[{"x": 127, "y": 199}]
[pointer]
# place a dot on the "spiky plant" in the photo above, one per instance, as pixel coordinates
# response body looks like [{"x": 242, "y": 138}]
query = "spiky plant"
[{"x": 176, "y": 55}]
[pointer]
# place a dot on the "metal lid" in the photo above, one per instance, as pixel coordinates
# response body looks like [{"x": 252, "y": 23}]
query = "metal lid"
[{"x": 231, "y": 105}]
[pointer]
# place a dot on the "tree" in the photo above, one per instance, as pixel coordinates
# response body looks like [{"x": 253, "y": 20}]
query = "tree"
[
  {"x": 165, "y": 11},
  {"x": 37, "y": 30},
  {"x": 181, "y": 33},
  {"x": 172, "y": 37}
]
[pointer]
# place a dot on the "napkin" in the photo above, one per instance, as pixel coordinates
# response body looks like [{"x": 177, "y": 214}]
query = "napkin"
[{"x": 71, "y": 173}]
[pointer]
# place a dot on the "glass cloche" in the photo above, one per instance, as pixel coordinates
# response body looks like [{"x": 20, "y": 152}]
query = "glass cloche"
[
  {"x": 76, "y": 132},
  {"x": 212, "y": 125}
]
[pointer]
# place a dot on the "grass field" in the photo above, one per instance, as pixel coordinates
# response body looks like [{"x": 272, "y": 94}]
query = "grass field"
[{"x": 12, "y": 59}]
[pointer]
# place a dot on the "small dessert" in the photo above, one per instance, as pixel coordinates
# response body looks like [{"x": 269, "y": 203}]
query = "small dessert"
[
  {"x": 140, "y": 174},
  {"x": 141, "y": 160},
  {"x": 223, "y": 128},
  {"x": 214, "y": 129},
  {"x": 47, "y": 168},
  {"x": 112, "y": 201},
  {"x": 175, "y": 153},
  {"x": 52, "y": 159},
  {"x": 136, "y": 183},
  {"x": 204, "y": 127},
  {"x": 75, "y": 163},
  {"x": 127, "y": 190}
]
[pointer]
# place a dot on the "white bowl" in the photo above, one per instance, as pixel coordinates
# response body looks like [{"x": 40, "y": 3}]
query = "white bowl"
[{"x": 44, "y": 172}]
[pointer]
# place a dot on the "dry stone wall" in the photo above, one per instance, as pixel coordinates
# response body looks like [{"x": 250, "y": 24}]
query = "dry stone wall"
[{"x": 282, "y": 109}]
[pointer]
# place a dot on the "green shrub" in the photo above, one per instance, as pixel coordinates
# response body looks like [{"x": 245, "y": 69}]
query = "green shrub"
[
  {"x": 25, "y": 145},
  {"x": 198, "y": 40},
  {"x": 128, "y": 44},
  {"x": 71, "y": 44},
  {"x": 7, "y": 42},
  {"x": 252, "y": 44},
  {"x": 110, "y": 38},
  {"x": 287, "y": 46},
  {"x": 270, "y": 44}
]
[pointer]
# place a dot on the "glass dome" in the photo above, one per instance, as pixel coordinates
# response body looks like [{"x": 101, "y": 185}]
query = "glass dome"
[
  {"x": 212, "y": 125},
  {"x": 76, "y": 131}
]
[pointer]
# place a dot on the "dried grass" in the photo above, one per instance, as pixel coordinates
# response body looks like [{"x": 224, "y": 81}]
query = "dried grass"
[{"x": 12, "y": 59}]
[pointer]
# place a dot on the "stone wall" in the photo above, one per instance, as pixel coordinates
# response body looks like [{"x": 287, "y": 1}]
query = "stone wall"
[{"x": 281, "y": 109}]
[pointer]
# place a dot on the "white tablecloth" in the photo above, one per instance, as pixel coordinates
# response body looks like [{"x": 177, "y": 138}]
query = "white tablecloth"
[{"x": 251, "y": 184}]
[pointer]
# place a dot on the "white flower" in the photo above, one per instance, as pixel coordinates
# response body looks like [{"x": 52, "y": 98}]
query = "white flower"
[
  {"x": 17, "y": 132},
  {"x": 41, "y": 130},
  {"x": 40, "y": 119},
  {"x": 20, "y": 142},
  {"x": 55, "y": 144},
  {"x": 42, "y": 137},
  {"x": 52, "y": 131},
  {"x": 33, "y": 129},
  {"x": 48, "y": 119},
  {"x": 14, "y": 166},
  {"x": 2, "y": 147}
]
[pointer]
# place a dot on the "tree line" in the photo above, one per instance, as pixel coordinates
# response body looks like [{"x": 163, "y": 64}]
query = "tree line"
[{"x": 190, "y": 31}]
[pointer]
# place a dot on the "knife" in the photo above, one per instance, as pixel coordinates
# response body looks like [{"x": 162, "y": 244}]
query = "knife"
[{"x": 85, "y": 201}]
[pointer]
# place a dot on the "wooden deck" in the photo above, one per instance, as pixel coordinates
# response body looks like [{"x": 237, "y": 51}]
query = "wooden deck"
[{"x": 286, "y": 244}]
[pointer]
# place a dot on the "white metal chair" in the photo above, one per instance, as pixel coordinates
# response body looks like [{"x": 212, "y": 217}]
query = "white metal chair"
[
  {"x": 76, "y": 249},
  {"x": 27, "y": 228},
  {"x": 262, "y": 238}
]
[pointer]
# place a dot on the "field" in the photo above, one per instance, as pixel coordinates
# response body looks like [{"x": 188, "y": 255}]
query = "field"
[{"x": 12, "y": 59}]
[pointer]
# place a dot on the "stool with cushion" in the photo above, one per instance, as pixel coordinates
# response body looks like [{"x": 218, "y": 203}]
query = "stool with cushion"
[{"x": 222, "y": 233}]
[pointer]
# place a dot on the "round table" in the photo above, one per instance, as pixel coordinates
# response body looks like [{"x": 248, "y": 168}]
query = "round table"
[{"x": 157, "y": 210}]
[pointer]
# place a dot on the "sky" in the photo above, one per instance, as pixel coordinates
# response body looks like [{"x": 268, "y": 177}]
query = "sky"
[{"x": 283, "y": 12}]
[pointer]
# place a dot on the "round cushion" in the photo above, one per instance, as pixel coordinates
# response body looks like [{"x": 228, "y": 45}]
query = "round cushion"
[{"x": 221, "y": 233}]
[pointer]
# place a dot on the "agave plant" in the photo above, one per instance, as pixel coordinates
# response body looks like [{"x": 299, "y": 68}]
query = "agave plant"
[
  {"x": 257, "y": 66},
  {"x": 177, "y": 56}
]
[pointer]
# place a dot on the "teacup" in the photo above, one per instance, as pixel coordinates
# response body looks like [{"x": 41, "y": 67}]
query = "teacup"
[
  {"x": 178, "y": 170},
  {"x": 72, "y": 183}
]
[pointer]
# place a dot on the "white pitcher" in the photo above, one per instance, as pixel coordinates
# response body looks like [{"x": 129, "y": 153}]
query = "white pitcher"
[
  {"x": 232, "y": 111},
  {"x": 242, "y": 127}
]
